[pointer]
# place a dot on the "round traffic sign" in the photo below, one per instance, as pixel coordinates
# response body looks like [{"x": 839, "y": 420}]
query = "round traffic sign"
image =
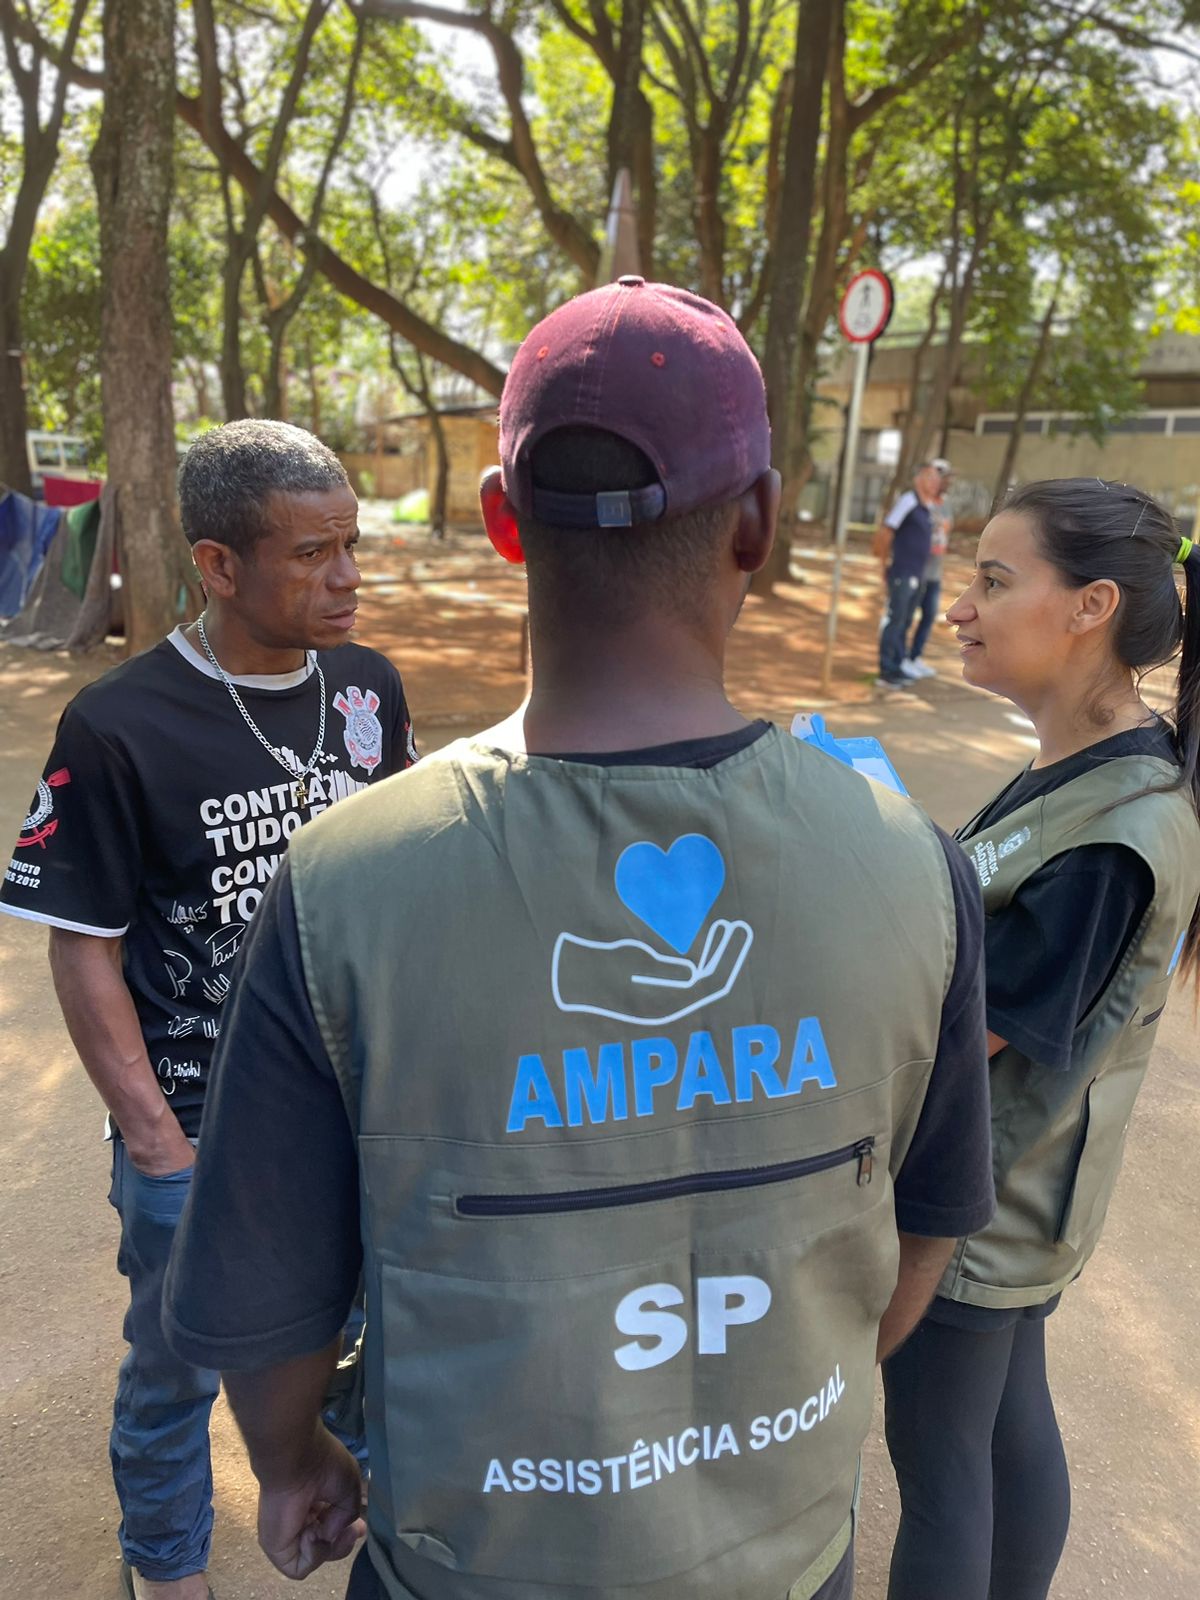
[{"x": 866, "y": 307}]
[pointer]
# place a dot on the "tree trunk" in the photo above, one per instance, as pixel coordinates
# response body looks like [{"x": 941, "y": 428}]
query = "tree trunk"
[
  {"x": 823, "y": 280},
  {"x": 708, "y": 221},
  {"x": 906, "y": 460},
  {"x": 197, "y": 373},
  {"x": 1033, "y": 374},
  {"x": 314, "y": 390},
  {"x": 631, "y": 128},
  {"x": 132, "y": 165},
  {"x": 797, "y": 194},
  {"x": 275, "y": 401},
  {"x": 441, "y": 485},
  {"x": 14, "y": 458},
  {"x": 233, "y": 375},
  {"x": 645, "y": 183}
]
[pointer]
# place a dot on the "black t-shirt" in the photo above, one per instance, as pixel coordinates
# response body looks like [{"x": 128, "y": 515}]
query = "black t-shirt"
[
  {"x": 1052, "y": 950},
  {"x": 277, "y": 1141},
  {"x": 161, "y": 818}
]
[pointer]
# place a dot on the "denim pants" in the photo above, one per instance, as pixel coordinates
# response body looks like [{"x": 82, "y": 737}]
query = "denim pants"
[
  {"x": 927, "y": 601},
  {"x": 893, "y": 635},
  {"x": 159, "y": 1442}
]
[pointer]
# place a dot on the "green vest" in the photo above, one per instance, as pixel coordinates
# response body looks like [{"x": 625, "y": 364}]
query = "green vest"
[
  {"x": 1058, "y": 1136},
  {"x": 632, "y": 1055}
]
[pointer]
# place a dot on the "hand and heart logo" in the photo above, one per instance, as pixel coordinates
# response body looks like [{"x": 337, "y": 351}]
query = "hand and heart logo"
[{"x": 673, "y": 892}]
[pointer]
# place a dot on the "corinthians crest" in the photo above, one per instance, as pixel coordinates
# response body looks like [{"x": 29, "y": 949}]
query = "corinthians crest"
[
  {"x": 41, "y": 824},
  {"x": 364, "y": 732}
]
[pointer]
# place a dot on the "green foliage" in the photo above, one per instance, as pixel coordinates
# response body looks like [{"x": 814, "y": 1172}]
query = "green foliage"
[
  {"x": 61, "y": 315},
  {"x": 1021, "y": 153}
]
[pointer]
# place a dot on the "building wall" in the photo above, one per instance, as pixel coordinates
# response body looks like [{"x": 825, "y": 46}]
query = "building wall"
[
  {"x": 472, "y": 446},
  {"x": 383, "y": 477},
  {"x": 411, "y": 462},
  {"x": 1167, "y": 468}
]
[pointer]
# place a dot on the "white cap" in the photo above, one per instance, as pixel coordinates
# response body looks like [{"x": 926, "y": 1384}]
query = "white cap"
[{"x": 942, "y": 465}]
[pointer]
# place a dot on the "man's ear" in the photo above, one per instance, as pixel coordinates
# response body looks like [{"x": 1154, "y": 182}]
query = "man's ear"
[
  {"x": 218, "y": 568},
  {"x": 499, "y": 518},
  {"x": 758, "y": 516}
]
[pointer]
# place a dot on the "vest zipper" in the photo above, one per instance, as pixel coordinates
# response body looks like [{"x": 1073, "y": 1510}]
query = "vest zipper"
[{"x": 632, "y": 1194}]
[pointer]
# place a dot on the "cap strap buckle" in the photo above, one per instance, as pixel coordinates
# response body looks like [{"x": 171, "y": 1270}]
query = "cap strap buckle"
[{"x": 611, "y": 508}]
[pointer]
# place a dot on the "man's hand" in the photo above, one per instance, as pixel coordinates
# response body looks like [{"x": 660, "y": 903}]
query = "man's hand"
[
  {"x": 310, "y": 1491},
  {"x": 922, "y": 1262},
  {"x": 316, "y": 1517},
  {"x": 159, "y": 1151},
  {"x": 104, "y": 1027}
]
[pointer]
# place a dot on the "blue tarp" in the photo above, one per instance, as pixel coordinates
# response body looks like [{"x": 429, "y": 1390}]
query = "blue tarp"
[{"x": 26, "y": 531}]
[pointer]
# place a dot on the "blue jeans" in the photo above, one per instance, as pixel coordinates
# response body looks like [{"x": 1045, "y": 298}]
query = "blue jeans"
[
  {"x": 159, "y": 1442},
  {"x": 902, "y": 602},
  {"x": 931, "y": 593}
]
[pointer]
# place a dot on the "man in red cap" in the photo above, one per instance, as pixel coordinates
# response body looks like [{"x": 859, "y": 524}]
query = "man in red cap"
[{"x": 582, "y": 1068}]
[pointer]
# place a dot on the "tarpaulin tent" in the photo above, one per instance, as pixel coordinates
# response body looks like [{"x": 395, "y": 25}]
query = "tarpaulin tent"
[
  {"x": 26, "y": 530},
  {"x": 71, "y": 602}
]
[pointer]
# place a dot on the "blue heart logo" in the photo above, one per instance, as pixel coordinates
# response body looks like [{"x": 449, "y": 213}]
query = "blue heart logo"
[{"x": 672, "y": 891}]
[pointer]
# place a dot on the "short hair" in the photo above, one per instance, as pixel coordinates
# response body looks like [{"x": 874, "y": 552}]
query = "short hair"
[
  {"x": 230, "y": 473},
  {"x": 616, "y": 574}
]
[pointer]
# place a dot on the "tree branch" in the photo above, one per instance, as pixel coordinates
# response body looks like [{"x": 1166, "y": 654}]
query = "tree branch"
[
  {"x": 40, "y": 143},
  {"x": 1131, "y": 35},
  {"x": 872, "y": 104},
  {"x": 694, "y": 46},
  {"x": 253, "y": 216},
  {"x": 347, "y": 280},
  {"x": 602, "y": 48},
  {"x": 567, "y": 231}
]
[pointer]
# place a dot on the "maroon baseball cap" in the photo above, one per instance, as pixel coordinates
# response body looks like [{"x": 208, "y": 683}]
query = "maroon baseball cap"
[{"x": 664, "y": 370}]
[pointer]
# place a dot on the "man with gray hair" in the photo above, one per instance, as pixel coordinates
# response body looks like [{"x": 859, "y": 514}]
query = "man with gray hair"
[{"x": 169, "y": 797}]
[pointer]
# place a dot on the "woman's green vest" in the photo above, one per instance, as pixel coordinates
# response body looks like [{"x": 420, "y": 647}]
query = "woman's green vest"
[
  {"x": 632, "y": 1055},
  {"x": 1058, "y": 1135}
]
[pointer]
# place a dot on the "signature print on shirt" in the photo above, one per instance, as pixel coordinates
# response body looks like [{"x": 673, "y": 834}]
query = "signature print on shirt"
[{"x": 673, "y": 892}]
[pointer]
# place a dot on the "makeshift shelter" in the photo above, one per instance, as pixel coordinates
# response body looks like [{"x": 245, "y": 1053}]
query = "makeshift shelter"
[{"x": 56, "y": 589}]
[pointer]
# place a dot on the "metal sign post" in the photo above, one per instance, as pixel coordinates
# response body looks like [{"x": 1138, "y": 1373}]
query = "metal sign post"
[
  {"x": 619, "y": 255},
  {"x": 865, "y": 312}
]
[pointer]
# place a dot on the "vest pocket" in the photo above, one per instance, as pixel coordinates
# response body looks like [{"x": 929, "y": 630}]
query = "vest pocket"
[
  {"x": 634, "y": 1194},
  {"x": 1100, "y": 1145},
  {"x": 614, "y": 1385}
]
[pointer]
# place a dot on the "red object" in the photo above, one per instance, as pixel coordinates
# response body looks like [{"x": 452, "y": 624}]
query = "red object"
[
  {"x": 866, "y": 307},
  {"x": 663, "y": 369},
  {"x": 70, "y": 491}
]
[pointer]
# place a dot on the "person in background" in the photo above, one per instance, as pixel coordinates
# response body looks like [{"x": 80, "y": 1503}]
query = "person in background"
[
  {"x": 929, "y": 597},
  {"x": 175, "y": 783},
  {"x": 1089, "y": 861},
  {"x": 902, "y": 544}
]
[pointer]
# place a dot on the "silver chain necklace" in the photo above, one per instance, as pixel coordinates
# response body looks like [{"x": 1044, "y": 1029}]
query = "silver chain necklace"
[{"x": 299, "y": 775}]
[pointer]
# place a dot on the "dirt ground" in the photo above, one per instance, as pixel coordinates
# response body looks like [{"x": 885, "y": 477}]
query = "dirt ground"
[{"x": 1124, "y": 1356}]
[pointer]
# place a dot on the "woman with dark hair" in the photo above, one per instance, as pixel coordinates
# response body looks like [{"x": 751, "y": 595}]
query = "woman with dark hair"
[{"x": 1089, "y": 861}]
